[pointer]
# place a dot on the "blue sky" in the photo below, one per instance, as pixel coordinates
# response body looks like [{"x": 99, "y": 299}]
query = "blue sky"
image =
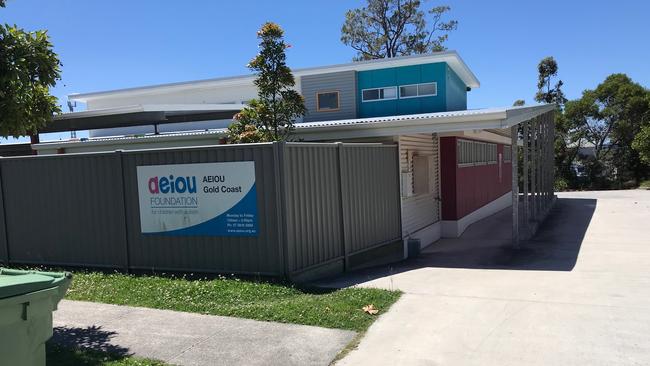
[{"x": 116, "y": 44}]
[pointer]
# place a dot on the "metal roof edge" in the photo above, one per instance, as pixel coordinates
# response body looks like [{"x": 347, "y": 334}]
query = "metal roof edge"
[{"x": 451, "y": 57}]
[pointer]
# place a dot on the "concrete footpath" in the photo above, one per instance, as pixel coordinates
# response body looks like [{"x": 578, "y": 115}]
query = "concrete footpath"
[
  {"x": 578, "y": 294},
  {"x": 193, "y": 339}
]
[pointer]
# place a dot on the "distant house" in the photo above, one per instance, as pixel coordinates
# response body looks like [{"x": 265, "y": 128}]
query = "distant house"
[{"x": 455, "y": 163}]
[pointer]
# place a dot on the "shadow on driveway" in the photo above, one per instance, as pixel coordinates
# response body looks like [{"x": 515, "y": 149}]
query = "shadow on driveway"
[
  {"x": 88, "y": 346},
  {"x": 487, "y": 244}
]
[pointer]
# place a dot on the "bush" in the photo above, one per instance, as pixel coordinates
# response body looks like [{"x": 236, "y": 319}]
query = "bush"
[
  {"x": 560, "y": 184},
  {"x": 645, "y": 184}
]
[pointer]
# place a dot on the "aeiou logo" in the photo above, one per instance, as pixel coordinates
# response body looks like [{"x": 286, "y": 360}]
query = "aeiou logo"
[{"x": 170, "y": 184}]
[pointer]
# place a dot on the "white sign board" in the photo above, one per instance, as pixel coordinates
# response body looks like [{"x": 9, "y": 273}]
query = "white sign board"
[{"x": 209, "y": 199}]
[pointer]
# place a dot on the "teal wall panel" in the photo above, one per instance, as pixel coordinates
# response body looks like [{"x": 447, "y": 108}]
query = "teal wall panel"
[
  {"x": 456, "y": 92},
  {"x": 406, "y": 75}
]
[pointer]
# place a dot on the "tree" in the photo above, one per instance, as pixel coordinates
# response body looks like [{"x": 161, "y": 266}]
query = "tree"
[
  {"x": 270, "y": 117},
  {"x": 519, "y": 103},
  {"x": 610, "y": 117},
  {"x": 547, "y": 70},
  {"x": 642, "y": 144},
  {"x": 566, "y": 146},
  {"x": 28, "y": 69},
  {"x": 392, "y": 28}
]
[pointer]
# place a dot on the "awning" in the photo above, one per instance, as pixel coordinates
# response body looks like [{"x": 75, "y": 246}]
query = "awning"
[
  {"x": 465, "y": 120},
  {"x": 140, "y": 115},
  {"x": 489, "y": 119}
]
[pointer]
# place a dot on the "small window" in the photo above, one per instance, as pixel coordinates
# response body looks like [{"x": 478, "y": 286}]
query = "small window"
[
  {"x": 472, "y": 153},
  {"x": 408, "y": 91},
  {"x": 418, "y": 90},
  {"x": 327, "y": 101},
  {"x": 427, "y": 89},
  {"x": 507, "y": 154},
  {"x": 368, "y": 95},
  {"x": 421, "y": 175}
]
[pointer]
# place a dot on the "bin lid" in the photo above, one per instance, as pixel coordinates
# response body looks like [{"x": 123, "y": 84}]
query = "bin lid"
[{"x": 14, "y": 283}]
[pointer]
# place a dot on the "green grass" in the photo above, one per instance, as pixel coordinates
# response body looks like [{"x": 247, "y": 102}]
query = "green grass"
[
  {"x": 60, "y": 356},
  {"x": 233, "y": 297},
  {"x": 645, "y": 184}
]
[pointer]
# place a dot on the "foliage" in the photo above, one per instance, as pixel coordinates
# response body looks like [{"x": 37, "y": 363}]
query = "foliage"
[
  {"x": 547, "y": 70},
  {"x": 28, "y": 69},
  {"x": 610, "y": 117},
  {"x": 243, "y": 130},
  {"x": 278, "y": 104},
  {"x": 392, "y": 28},
  {"x": 560, "y": 184},
  {"x": 230, "y": 296},
  {"x": 641, "y": 143},
  {"x": 519, "y": 103},
  {"x": 566, "y": 147},
  {"x": 57, "y": 355},
  {"x": 645, "y": 184}
]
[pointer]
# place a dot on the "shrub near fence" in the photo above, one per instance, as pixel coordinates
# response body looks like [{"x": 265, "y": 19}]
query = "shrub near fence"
[{"x": 317, "y": 205}]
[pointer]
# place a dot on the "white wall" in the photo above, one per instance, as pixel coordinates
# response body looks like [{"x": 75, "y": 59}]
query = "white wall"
[
  {"x": 421, "y": 212},
  {"x": 197, "y": 95}
]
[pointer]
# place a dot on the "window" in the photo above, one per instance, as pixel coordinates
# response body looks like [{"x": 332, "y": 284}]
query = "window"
[
  {"x": 418, "y": 90},
  {"x": 408, "y": 91},
  {"x": 492, "y": 154},
  {"x": 507, "y": 154},
  {"x": 473, "y": 153},
  {"x": 421, "y": 175},
  {"x": 327, "y": 101},
  {"x": 369, "y": 95}
]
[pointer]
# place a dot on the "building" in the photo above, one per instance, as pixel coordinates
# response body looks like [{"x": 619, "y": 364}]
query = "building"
[{"x": 456, "y": 165}]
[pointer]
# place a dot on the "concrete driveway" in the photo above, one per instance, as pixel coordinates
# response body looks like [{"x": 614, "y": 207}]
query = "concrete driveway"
[{"x": 578, "y": 294}]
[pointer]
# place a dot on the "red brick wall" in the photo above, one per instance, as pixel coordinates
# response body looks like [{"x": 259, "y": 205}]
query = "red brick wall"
[{"x": 464, "y": 190}]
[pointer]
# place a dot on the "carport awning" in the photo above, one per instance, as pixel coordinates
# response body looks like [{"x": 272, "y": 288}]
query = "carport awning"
[
  {"x": 140, "y": 115},
  {"x": 464, "y": 120}
]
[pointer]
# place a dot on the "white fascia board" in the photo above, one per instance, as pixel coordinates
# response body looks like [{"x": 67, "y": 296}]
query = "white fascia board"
[
  {"x": 127, "y": 141},
  {"x": 517, "y": 115},
  {"x": 450, "y": 57},
  {"x": 151, "y": 108}
]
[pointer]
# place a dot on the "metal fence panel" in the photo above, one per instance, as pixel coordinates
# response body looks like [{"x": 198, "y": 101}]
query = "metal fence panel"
[
  {"x": 261, "y": 254},
  {"x": 64, "y": 210},
  {"x": 313, "y": 212},
  {"x": 4, "y": 256},
  {"x": 316, "y": 203},
  {"x": 371, "y": 201}
]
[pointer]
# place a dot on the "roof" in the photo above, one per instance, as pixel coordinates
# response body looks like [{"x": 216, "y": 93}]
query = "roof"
[
  {"x": 475, "y": 119},
  {"x": 140, "y": 114},
  {"x": 452, "y": 58}
]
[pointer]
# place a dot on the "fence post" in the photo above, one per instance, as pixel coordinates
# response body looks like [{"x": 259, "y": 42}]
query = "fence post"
[
  {"x": 127, "y": 260},
  {"x": 280, "y": 197},
  {"x": 344, "y": 241},
  {"x": 4, "y": 215}
]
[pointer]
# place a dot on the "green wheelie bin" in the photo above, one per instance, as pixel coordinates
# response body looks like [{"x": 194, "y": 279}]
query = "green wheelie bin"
[{"x": 27, "y": 299}]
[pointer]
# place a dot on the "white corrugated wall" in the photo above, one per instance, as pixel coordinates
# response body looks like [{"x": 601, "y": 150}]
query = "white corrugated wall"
[{"x": 421, "y": 210}]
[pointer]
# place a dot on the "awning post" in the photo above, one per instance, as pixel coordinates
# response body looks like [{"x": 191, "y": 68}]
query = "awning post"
[{"x": 514, "y": 158}]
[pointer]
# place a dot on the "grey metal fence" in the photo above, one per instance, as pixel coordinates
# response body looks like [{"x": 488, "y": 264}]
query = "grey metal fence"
[{"x": 317, "y": 205}]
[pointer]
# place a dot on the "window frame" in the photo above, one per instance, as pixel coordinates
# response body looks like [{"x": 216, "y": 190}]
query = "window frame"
[
  {"x": 380, "y": 99},
  {"x": 418, "y": 90},
  {"x": 338, "y": 101},
  {"x": 507, "y": 158},
  {"x": 475, "y": 153}
]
